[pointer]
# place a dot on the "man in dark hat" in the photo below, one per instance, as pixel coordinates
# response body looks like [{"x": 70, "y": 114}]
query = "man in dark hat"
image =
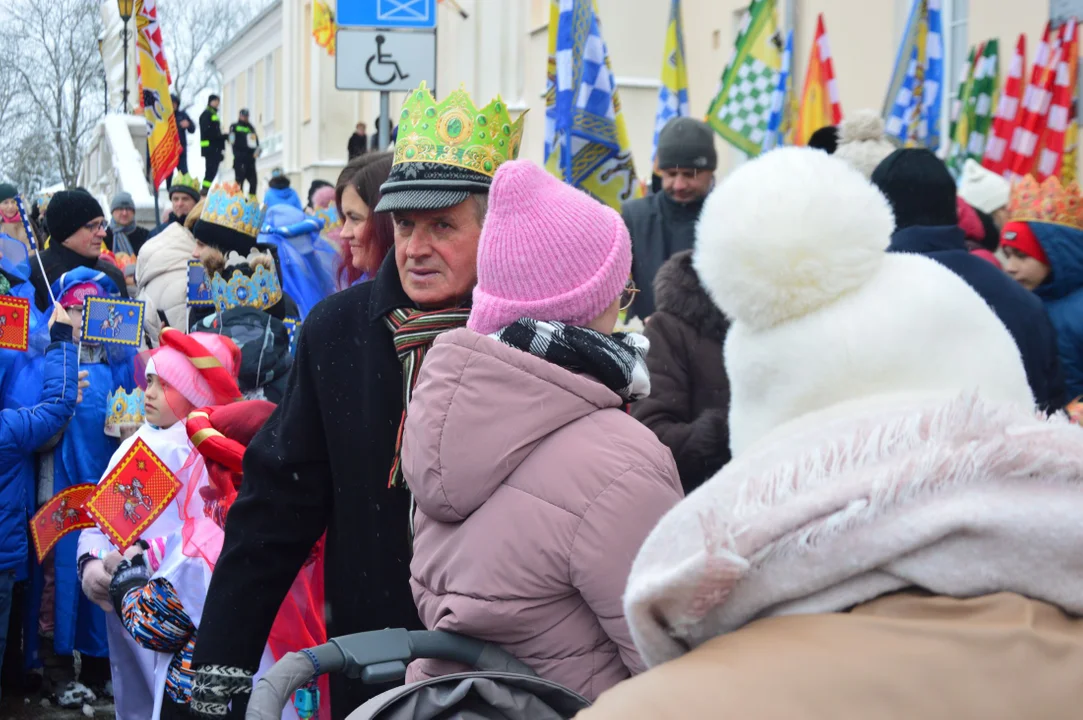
[
  {"x": 325, "y": 462},
  {"x": 77, "y": 230},
  {"x": 245, "y": 142},
  {"x": 212, "y": 142},
  {"x": 665, "y": 223}
]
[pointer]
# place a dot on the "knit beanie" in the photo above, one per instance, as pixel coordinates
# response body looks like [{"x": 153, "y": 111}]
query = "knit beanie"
[
  {"x": 1020, "y": 236},
  {"x": 547, "y": 252},
  {"x": 791, "y": 248},
  {"x": 862, "y": 142},
  {"x": 826, "y": 139},
  {"x": 983, "y": 189},
  {"x": 919, "y": 187},
  {"x": 686, "y": 143},
  {"x": 122, "y": 201},
  {"x": 202, "y": 367},
  {"x": 70, "y": 210},
  {"x": 7, "y": 191}
]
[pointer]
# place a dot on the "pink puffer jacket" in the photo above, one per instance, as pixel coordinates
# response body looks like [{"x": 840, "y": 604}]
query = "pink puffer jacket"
[{"x": 534, "y": 492}]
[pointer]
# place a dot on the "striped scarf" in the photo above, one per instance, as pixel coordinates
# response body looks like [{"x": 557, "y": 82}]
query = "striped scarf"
[{"x": 414, "y": 332}]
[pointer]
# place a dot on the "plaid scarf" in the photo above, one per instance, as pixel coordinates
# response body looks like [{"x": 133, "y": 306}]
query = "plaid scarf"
[
  {"x": 414, "y": 332},
  {"x": 618, "y": 361}
]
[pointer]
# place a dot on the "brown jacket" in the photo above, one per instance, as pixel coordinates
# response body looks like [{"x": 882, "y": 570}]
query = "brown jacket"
[
  {"x": 902, "y": 656},
  {"x": 689, "y": 401}
]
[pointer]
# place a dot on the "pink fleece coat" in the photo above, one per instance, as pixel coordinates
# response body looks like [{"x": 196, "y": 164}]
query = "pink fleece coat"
[{"x": 534, "y": 492}]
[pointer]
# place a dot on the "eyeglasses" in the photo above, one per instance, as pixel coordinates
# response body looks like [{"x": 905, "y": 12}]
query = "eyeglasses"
[
  {"x": 628, "y": 296},
  {"x": 96, "y": 226}
]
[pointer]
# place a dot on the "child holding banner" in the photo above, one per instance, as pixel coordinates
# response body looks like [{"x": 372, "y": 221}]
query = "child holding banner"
[{"x": 183, "y": 373}]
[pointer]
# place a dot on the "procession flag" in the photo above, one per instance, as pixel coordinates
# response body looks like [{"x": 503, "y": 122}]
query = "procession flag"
[
  {"x": 324, "y": 26},
  {"x": 14, "y": 323},
  {"x": 780, "y": 105},
  {"x": 820, "y": 98},
  {"x": 1007, "y": 114},
  {"x": 133, "y": 494},
  {"x": 199, "y": 289},
  {"x": 912, "y": 106},
  {"x": 980, "y": 111},
  {"x": 742, "y": 107},
  {"x": 162, "y": 139},
  {"x": 959, "y": 128},
  {"x": 1036, "y": 102},
  {"x": 64, "y": 513},
  {"x": 586, "y": 138},
  {"x": 673, "y": 95},
  {"x": 112, "y": 321},
  {"x": 1050, "y": 157}
]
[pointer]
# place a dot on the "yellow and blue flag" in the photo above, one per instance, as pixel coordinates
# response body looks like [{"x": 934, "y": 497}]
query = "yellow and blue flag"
[
  {"x": 742, "y": 108},
  {"x": 673, "y": 95},
  {"x": 586, "y": 141},
  {"x": 199, "y": 287},
  {"x": 113, "y": 322},
  {"x": 776, "y": 123},
  {"x": 912, "y": 105}
]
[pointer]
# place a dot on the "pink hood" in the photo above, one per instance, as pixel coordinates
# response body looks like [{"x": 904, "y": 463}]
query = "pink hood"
[{"x": 534, "y": 492}]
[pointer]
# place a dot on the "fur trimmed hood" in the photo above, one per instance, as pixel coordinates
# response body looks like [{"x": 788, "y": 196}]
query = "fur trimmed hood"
[
  {"x": 960, "y": 498},
  {"x": 678, "y": 291},
  {"x": 791, "y": 247}
]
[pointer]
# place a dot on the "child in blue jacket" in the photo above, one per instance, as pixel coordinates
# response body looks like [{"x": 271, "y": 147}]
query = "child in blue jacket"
[{"x": 24, "y": 430}]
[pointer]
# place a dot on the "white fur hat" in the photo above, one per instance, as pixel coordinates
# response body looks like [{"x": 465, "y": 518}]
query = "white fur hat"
[
  {"x": 983, "y": 189},
  {"x": 791, "y": 246},
  {"x": 862, "y": 142}
]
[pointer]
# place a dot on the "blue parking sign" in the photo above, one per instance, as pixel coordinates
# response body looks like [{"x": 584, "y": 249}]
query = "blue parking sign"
[{"x": 390, "y": 14}]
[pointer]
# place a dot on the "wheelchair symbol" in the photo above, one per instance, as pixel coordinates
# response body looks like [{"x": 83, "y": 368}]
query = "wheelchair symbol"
[{"x": 384, "y": 59}]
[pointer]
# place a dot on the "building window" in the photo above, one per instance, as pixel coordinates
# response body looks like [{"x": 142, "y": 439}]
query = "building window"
[
  {"x": 955, "y": 14},
  {"x": 250, "y": 95},
  {"x": 269, "y": 93}
]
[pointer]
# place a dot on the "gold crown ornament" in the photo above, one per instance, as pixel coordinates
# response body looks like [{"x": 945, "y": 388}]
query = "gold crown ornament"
[
  {"x": 227, "y": 206},
  {"x": 254, "y": 284},
  {"x": 124, "y": 410},
  {"x": 1049, "y": 202},
  {"x": 455, "y": 133}
]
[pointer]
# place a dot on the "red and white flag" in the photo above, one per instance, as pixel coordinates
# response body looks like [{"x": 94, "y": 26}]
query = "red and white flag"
[
  {"x": 1007, "y": 113},
  {"x": 1036, "y": 102},
  {"x": 1051, "y": 156}
]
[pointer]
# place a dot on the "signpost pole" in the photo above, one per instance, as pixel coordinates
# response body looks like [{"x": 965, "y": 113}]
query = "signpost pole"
[{"x": 385, "y": 119}]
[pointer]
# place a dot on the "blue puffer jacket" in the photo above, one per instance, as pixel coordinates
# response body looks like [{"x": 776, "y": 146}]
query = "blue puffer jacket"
[
  {"x": 1018, "y": 309},
  {"x": 24, "y": 430},
  {"x": 1062, "y": 294}
]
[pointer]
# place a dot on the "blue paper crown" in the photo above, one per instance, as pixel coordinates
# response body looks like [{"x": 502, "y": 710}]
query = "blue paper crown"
[
  {"x": 259, "y": 290},
  {"x": 227, "y": 206},
  {"x": 124, "y": 410}
]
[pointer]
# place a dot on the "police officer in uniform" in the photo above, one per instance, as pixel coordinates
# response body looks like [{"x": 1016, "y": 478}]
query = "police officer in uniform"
[
  {"x": 211, "y": 141},
  {"x": 245, "y": 142}
]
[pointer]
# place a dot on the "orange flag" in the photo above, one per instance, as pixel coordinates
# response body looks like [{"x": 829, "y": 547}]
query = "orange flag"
[
  {"x": 14, "y": 323},
  {"x": 132, "y": 495},
  {"x": 820, "y": 98},
  {"x": 64, "y": 513}
]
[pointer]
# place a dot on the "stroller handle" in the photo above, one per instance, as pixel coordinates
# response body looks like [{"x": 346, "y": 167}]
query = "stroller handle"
[{"x": 380, "y": 656}]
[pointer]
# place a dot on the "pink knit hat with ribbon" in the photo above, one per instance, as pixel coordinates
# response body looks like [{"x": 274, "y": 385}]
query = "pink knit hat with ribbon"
[
  {"x": 180, "y": 371},
  {"x": 547, "y": 252}
]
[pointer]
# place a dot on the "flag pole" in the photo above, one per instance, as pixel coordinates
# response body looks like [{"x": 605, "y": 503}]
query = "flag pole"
[{"x": 34, "y": 244}]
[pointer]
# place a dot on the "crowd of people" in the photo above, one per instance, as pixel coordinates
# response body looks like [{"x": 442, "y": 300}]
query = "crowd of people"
[{"x": 832, "y": 477}]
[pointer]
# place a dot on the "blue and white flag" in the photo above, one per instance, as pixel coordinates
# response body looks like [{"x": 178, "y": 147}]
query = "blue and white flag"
[
  {"x": 113, "y": 322},
  {"x": 776, "y": 127},
  {"x": 912, "y": 108},
  {"x": 199, "y": 288},
  {"x": 673, "y": 95},
  {"x": 293, "y": 327}
]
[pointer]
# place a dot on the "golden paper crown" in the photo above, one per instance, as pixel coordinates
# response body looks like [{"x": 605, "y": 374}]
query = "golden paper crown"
[
  {"x": 123, "y": 410},
  {"x": 257, "y": 287},
  {"x": 184, "y": 180},
  {"x": 228, "y": 207},
  {"x": 1046, "y": 203},
  {"x": 455, "y": 133}
]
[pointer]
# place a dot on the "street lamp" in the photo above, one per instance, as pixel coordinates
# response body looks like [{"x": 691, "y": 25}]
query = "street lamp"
[{"x": 125, "y": 8}]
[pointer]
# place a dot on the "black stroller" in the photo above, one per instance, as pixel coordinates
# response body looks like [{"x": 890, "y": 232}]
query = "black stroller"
[{"x": 501, "y": 686}]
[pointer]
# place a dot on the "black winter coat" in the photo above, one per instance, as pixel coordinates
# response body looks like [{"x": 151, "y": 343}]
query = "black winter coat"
[
  {"x": 211, "y": 139},
  {"x": 688, "y": 408},
  {"x": 321, "y": 463},
  {"x": 660, "y": 228},
  {"x": 58, "y": 260},
  {"x": 1020, "y": 311}
]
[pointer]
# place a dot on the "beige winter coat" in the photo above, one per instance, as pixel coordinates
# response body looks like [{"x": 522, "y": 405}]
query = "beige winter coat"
[{"x": 161, "y": 273}]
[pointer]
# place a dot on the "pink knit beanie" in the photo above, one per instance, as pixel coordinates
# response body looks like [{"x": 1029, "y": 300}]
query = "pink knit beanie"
[{"x": 547, "y": 252}]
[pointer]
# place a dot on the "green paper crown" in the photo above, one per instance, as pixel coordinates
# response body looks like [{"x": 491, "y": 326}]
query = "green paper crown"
[
  {"x": 455, "y": 133},
  {"x": 184, "y": 180}
]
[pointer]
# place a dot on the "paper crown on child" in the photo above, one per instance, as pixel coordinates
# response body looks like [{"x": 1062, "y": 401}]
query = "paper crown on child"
[
  {"x": 250, "y": 282},
  {"x": 227, "y": 206},
  {"x": 455, "y": 133},
  {"x": 123, "y": 410},
  {"x": 1049, "y": 202}
]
